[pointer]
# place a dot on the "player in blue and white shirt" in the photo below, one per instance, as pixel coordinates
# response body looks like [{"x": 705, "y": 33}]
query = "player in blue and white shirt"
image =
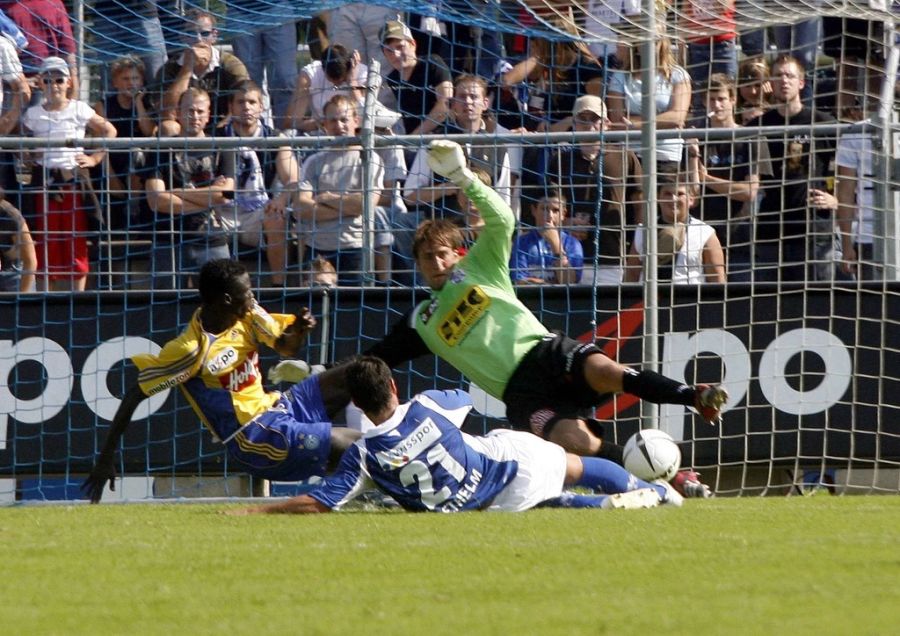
[{"x": 417, "y": 454}]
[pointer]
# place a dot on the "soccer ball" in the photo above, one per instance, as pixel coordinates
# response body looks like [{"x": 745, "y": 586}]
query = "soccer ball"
[{"x": 652, "y": 454}]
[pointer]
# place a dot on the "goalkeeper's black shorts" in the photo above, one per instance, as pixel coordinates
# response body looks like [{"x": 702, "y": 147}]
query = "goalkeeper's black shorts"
[{"x": 549, "y": 385}]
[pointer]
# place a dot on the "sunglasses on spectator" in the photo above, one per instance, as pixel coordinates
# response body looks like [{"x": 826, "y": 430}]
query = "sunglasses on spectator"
[
  {"x": 53, "y": 80},
  {"x": 206, "y": 33},
  {"x": 588, "y": 119}
]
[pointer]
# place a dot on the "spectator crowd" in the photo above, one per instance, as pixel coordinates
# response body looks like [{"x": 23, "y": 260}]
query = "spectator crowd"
[{"x": 754, "y": 202}]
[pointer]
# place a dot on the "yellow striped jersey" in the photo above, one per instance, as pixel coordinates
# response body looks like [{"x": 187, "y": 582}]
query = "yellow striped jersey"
[{"x": 218, "y": 373}]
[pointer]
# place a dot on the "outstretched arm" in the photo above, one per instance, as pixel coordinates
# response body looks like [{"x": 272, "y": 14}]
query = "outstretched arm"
[
  {"x": 401, "y": 344},
  {"x": 302, "y": 504},
  {"x": 105, "y": 467}
]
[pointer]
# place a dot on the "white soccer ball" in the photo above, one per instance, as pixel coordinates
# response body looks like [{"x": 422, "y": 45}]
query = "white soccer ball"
[{"x": 652, "y": 454}]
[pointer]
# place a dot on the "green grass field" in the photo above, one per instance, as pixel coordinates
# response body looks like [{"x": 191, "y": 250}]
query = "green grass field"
[{"x": 816, "y": 565}]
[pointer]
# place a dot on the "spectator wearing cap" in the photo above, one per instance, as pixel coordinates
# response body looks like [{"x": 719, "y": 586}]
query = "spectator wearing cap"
[
  {"x": 61, "y": 193},
  {"x": 585, "y": 172},
  {"x": 421, "y": 87},
  {"x": 201, "y": 64}
]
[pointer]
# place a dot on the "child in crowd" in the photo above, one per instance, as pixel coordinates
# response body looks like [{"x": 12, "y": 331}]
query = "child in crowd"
[
  {"x": 547, "y": 253},
  {"x": 686, "y": 244}
]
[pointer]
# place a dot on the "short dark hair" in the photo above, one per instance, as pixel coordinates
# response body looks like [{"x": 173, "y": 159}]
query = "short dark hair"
[
  {"x": 368, "y": 381},
  {"x": 721, "y": 82},
  {"x": 127, "y": 63},
  {"x": 217, "y": 277},
  {"x": 194, "y": 92},
  {"x": 466, "y": 78},
  {"x": 337, "y": 62},
  {"x": 245, "y": 86},
  {"x": 675, "y": 180},
  {"x": 786, "y": 58}
]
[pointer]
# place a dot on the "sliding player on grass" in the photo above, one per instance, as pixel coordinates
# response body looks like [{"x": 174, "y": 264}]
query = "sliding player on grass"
[
  {"x": 283, "y": 436},
  {"x": 417, "y": 454},
  {"x": 473, "y": 320}
]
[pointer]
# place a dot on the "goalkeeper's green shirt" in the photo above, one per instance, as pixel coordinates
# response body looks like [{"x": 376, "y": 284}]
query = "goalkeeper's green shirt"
[{"x": 476, "y": 322}]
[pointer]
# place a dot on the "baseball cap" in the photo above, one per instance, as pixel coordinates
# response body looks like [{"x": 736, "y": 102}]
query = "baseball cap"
[
  {"x": 591, "y": 104},
  {"x": 395, "y": 30},
  {"x": 54, "y": 64}
]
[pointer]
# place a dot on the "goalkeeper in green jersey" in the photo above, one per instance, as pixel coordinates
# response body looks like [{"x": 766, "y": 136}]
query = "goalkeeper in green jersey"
[{"x": 550, "y": 383}]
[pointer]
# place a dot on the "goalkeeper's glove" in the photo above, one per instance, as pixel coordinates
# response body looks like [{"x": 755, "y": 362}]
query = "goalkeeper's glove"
[
  {"x": 293, "y": 371},
  {"x": 447, "y": 159}
]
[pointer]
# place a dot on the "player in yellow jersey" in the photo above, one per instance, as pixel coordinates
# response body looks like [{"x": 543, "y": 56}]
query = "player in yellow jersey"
[{"x": 215, "y": 361}]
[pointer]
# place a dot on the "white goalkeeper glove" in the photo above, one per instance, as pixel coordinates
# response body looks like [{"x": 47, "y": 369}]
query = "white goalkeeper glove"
[
  {"x": 293, "y": 371},
  {"x": 447, "y": 159}
]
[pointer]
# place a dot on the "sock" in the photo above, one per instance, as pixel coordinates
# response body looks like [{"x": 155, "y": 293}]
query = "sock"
[
  {"x": 605, "y": 476},
  {"x": 612, "y": 452},
  {"x": 572, "y": 500},
  {"x": 656, "y": 388}
]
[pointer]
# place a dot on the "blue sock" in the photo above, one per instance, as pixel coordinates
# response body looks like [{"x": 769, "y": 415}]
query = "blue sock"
[{"x": 606, "y": 476}]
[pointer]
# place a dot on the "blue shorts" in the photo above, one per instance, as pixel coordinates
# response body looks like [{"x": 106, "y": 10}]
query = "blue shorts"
[{"x": 289, "y": 442}]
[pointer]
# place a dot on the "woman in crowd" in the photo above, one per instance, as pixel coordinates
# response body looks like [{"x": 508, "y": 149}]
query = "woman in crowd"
[
  {"x": 557, "y": 72},
  {"x": 61, "y": 190},
  {"x": 754, "y": 90}
]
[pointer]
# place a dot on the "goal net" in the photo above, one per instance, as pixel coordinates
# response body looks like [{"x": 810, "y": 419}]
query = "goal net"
[{"x": 736, "y": 222}]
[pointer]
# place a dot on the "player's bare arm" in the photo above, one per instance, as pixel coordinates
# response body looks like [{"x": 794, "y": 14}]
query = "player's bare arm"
[
  {"x": 289, "y": 343},
  {"x": 105, "y": 467},
  {"x": 301, "y": 504}
]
